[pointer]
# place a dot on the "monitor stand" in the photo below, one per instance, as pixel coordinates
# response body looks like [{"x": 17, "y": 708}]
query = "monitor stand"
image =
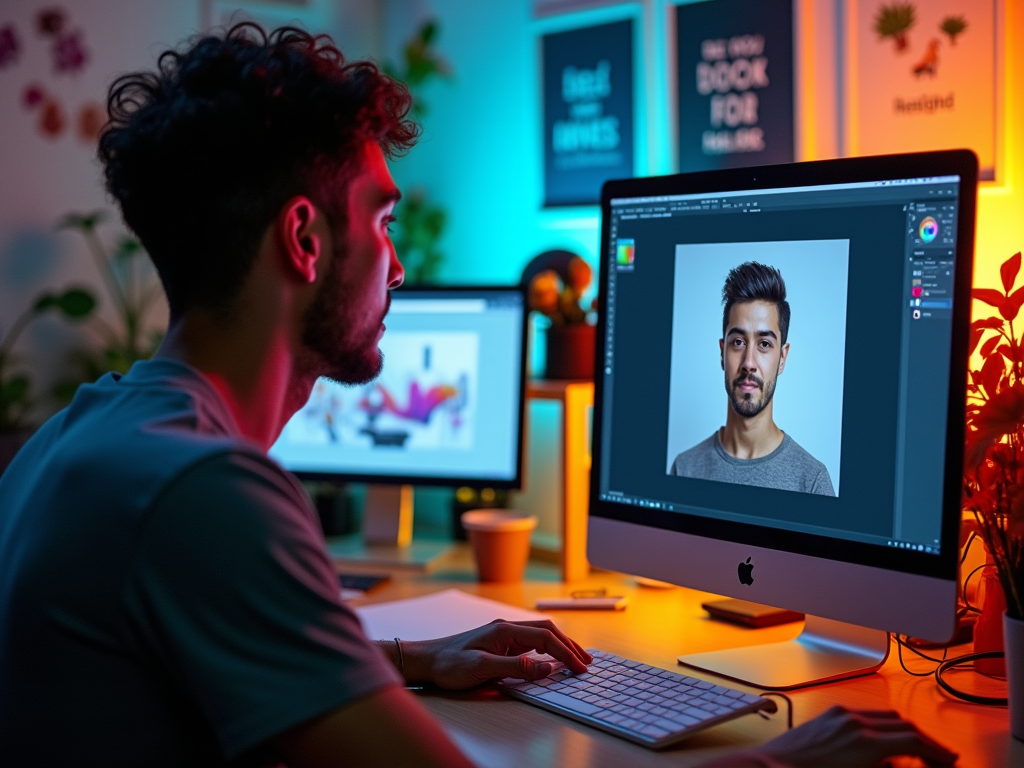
[
  {"x": 386, "y": 542},
  {"x": 825, "y": 650}
]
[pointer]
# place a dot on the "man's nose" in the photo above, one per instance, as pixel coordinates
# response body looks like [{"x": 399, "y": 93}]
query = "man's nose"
[
  {"x": 396, "y": 272},
  {"x": 748, "y": 361}
]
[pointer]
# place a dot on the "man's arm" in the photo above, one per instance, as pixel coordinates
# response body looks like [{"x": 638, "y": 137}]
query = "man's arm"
[{"x": 387, "y": 728}]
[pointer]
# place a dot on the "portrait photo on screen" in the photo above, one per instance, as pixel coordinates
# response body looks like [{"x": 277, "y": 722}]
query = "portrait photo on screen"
[{"x": 756, "y": 397}]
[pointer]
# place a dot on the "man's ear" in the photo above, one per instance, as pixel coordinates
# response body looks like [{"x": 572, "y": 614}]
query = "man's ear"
[
  {"x": 721, "y": 352},
  {"x": 784, "y": 353},
  {"x": 300, "y": 226}
]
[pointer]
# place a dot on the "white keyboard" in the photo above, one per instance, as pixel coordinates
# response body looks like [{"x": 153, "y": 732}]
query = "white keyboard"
[{"x": 651, "y": 706}]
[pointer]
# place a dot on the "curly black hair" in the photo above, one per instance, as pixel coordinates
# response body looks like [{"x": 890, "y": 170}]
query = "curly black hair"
[
  {"x": 751, "y": 281},
  {"x": 202, "y": 153}
]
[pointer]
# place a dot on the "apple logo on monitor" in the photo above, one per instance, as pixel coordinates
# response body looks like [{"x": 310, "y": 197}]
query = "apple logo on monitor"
[{"x": 744, "y": 571}]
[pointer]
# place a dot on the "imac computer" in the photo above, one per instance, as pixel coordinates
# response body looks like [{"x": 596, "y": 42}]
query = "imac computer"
[
  {"x": 447, "y": 408},
  {"x": 779, "y": 401}
]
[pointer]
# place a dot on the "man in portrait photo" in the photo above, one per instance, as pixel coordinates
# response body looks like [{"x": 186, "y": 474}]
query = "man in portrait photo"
[{"x": 751, "y": 449}]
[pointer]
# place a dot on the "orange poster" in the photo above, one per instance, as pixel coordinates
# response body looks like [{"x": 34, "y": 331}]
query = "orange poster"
[{"x": 923, "y": 75}]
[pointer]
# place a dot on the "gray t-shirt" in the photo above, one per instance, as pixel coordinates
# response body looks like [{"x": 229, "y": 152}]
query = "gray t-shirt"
[
  {"x": 165, "y": 594},
  {"x": 789, "y": 467}
]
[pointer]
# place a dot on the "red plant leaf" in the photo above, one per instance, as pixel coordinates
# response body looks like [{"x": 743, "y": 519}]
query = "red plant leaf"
[
  {"x": 1008, "y": 271},
  {"x": 1005, "y": 351},
  {"x": 989, "y": 296},
  {"x": 989, "y": 322},
  {"x": 991, "y": 373},
  {"x": 988, "y": 346},
  {"x": 976, "y": 335},
  {"x": 1013, "y": 304}
]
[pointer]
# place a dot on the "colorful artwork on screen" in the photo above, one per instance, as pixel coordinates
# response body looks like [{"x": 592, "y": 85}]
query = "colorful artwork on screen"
[{"x": 423, "y": 400}]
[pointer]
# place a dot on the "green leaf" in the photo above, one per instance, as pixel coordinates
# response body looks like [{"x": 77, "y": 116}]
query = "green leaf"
[
  {"x": 15, "y": 390},
  {"x": 1008, "y": 271},
  {"x": 127, "y": 248},
  {"x": 85, "y": 222},
  {"x": 45, "y": 302},
  {"x": 76, "y": 303}
]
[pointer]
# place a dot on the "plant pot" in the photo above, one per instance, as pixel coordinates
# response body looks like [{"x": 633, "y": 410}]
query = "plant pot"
[
  {"x": 1013, "y": 640},
  {"x": 570, "y": 351}
]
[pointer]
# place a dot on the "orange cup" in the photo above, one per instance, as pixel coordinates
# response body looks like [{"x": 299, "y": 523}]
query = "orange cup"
[{"x": 501, "y": 542}]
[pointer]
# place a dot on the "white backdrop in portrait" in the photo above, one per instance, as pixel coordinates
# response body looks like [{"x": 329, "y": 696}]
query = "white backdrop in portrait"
[{"x": 809, "y": 393}]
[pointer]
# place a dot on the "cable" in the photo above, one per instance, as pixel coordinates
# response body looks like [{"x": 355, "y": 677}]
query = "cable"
[
  {"x": 789, "y": 708},
  {"x": 967, "y": 602},
  {"x": 967, "y": 546},
  {"x": 901, "y": 644},
  {"x": 972, "y": 698}
]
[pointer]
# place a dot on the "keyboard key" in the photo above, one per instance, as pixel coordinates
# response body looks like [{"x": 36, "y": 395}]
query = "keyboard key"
[{"x": 553, "y": 697}]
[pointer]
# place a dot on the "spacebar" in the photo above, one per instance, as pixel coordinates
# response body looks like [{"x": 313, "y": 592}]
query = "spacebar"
[{"x": 568, "y": 702}]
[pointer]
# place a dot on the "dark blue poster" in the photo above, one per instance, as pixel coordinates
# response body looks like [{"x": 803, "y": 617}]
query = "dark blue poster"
[
  {"x": 735, "y": 83},
  {"x": 588, "y": 111}
]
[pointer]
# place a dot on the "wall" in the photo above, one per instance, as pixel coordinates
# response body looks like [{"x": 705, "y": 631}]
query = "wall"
[
  {"x": 481, "y": 153},
  {"x": 43, "y": 178}
]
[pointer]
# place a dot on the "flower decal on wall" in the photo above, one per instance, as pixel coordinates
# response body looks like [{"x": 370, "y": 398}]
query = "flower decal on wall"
[
  {"x": 9, "y": 45},
  {"x": 69, "y": 54}
]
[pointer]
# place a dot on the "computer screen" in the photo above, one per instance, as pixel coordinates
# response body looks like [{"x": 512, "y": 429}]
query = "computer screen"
[
  {"x": 447, "y": 408},
  {"x": 783, "y": 366}
]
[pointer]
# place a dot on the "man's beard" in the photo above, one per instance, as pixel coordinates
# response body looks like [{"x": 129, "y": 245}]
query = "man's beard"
[
  {"x": 744, "y": 404},
  {"x": 343, "y": 347}
]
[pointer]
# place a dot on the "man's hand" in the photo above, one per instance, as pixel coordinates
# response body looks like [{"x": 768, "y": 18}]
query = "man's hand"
[
  {"x": 489, "y": 652},
  {"x": 845, "y": 738}
]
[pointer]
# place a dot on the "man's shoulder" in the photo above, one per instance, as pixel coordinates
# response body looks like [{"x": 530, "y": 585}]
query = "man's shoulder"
[
  {"x": 698, "y": 454},
  {"x": 796, "y": 453}
]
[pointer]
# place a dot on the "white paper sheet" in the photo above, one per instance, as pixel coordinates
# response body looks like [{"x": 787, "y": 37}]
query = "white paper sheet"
[{"x": 437, "y": 615}]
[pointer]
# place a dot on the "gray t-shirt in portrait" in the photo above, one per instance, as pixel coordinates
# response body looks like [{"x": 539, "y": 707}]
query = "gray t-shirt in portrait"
[
  {"x": 788, "y": 468},
  {"x": 166, "y": 598}
]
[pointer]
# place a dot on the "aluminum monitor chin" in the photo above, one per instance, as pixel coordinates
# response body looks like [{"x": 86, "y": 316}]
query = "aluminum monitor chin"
[{"x": 807, "y": 457}]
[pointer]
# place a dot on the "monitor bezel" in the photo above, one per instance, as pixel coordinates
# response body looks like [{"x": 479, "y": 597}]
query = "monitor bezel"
[
  {"x": 962, "y": 163},
  {"x": 514, "y": 483}
]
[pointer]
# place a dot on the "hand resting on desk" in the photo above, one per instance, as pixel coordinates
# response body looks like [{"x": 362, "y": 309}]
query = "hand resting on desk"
[
  {"x": 490, "y": 652},
  {"x": 844, "y": 738}
]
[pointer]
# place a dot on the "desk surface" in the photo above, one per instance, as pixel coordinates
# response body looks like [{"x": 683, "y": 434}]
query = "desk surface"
[{"x": 658, "y": 625}]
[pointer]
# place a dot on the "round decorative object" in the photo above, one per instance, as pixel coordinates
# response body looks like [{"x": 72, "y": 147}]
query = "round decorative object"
[
  {"x": 1013, "y": 639},
  {"x": 570, "y": 351}
]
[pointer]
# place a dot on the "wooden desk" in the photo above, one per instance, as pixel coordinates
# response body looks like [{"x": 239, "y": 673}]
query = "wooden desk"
[{"x": 496, "y": 731}]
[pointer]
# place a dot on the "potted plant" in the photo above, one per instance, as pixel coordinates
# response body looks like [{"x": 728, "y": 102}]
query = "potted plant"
[
  {"x": 16, "y": 397},
  {"x": 134, "y": 291},
  {"x": 994, "y": 462},
  {"x": 558, "y": 295}
]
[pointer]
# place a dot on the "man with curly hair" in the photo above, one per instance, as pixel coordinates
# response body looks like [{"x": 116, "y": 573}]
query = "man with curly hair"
[{"x": 165, "y": 594}]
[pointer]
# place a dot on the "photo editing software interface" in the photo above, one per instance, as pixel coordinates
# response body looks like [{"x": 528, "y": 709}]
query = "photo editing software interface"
[
  {"x": 861, "y": 396},
  {"x": 446, "y": 404}
]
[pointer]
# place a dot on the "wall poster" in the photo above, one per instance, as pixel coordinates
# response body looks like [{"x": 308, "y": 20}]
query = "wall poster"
[
  {"x": 735, "y": 83},
  {"x": 924, "y": 75},
  {"x": 588, "y": 111}
]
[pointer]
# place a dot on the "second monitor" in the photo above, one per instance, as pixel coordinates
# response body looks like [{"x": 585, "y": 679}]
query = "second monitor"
[{"x": 447, "y": 408}]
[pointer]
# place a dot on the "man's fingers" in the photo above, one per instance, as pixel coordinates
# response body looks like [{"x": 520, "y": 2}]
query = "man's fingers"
[
  {"x": 892, "y": 743},
  {"x": 525, "y": 638},
  {"x": 523, "y": 667},
  {"x": 549, "y": 625}
]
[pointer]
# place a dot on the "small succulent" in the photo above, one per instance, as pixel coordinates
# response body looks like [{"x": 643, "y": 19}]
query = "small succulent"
[
  {"x": 895, "y": 21},
  {"x": 953, "y": 26}
]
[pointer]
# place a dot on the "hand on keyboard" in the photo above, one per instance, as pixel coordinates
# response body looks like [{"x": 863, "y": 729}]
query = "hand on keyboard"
[
  {"x": 651, "y": 706},
  {"x": 496, "y": 650}
]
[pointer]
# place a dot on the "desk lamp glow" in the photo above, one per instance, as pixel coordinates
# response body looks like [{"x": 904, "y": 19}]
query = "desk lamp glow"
[{"x": 876, "y": 255}]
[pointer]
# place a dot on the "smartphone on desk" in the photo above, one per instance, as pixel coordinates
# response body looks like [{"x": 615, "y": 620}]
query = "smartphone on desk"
[
  {"x": 355, "y": 585},
  {"x": 750, "y": 614}
]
